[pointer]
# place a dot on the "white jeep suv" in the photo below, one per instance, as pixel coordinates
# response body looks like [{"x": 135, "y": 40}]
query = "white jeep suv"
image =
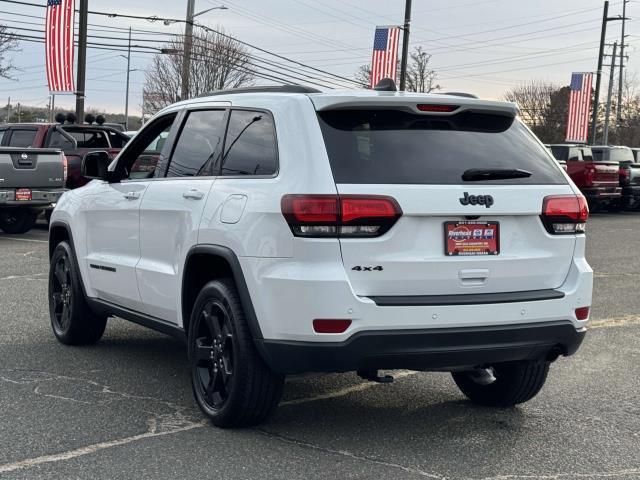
[{"x": 281, "y": 230}]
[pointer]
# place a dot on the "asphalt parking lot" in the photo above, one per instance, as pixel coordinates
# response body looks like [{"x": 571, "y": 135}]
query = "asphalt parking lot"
[{"x": 124, "y": 409}]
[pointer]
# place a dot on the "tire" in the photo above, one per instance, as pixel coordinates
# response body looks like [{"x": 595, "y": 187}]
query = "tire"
[
  {"x": 72, "y": 320},
  {"x": 515, "y": 383},
  {"x": 230, "y": 381},
  {"x": 16, "y": 221}
]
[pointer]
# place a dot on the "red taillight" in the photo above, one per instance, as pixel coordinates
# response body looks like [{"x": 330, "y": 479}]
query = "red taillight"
[
  {"x": 624, "y": 175},
  {"x": 582, "y": 313},
  {"x": 331, "y": 326},
  {"x": 565, "y": 214},
  {"x": 303, "y": 209},
  {"x": 340, "y": 215},
  {"x": 423, "y": 107},
  {"x": 589, "y": 174},
  {"x": 65, "y": 167}
]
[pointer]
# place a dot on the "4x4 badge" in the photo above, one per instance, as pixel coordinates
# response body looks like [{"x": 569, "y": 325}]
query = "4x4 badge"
[{"x": 486, "y": 200}]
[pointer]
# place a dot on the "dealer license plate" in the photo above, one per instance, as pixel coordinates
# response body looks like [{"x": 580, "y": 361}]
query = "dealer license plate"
[{"x": 471, "y": 238}]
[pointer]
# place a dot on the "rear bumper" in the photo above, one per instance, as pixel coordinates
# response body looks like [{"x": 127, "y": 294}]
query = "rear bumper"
[
  {"x": 39, "y": 198},
  {"x": 432, "y": 349},
  {"x": 631, "y": 192},
  {"x": 602, "y": 194}
]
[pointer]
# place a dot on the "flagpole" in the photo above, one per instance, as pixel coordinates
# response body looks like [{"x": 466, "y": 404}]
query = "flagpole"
[{"x": 82, "y": 60}]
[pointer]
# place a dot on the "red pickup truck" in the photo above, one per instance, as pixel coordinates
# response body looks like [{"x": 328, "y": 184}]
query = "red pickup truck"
[
  {"x": 598, "y": 180},
  {"x": 88, "y": 138}
]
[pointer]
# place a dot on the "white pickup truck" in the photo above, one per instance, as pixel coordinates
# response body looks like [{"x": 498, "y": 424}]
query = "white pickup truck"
[{"x": 32, "y": 180}]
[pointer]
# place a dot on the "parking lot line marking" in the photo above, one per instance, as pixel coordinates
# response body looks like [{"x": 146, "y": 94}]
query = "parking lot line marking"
[
  {"x": 345, "y": 391},
  {"x": 96, "y": 447},
  {"x": 24, "y": 240},
  {"x": 614, "y": 322}
]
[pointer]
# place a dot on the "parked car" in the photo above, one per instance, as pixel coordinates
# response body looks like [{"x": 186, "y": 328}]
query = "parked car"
[
  {"x": 31, "y": 180},
  {"x": 87, "y": 138},
  {"x": 598, "y": 180},
  {"x": 628, "y": 172},
  {"x": 298, "y": 231}
]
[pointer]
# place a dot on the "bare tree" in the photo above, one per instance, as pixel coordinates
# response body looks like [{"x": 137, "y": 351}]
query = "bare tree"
[
  {"x": 628, "y": 131},
  {"x": 420, "y": 78},
  {"x": 363, "y": 75},
  {"x": 543, "y": 107},
  {"x": 8, "y": 44},
  {"x": 218, "y": 62}
]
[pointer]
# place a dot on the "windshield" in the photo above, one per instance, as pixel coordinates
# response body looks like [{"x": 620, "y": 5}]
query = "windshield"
[{"x": 397, "y": 147}]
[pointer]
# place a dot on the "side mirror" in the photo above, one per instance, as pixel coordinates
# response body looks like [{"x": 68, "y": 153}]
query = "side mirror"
[{"x": 95, "y": 166}]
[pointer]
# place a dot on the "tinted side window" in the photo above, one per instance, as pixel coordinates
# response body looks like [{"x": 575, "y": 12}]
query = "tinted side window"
[
  {"x": 22, "y": 138},
  {"x": 2, "y": 132},
  {"x": 56, "y": 140},
  {"x": 199, "y": 144},
  {"x": 251, "y": 146}
]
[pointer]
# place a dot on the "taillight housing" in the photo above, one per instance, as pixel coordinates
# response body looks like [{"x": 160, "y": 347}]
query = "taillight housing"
[
  {"x": 65, "y": 167},
  {"x": 589, "y": 174},
  {"x": 349, "y": 216},
  {"x": 624, "y": 175},
  {"x": 565, "y": 214}
]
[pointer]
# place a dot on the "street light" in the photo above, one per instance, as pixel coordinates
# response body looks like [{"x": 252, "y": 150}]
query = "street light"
[
  {"x": 188, "y": 43},
  {"x": 126, "y": 104}
]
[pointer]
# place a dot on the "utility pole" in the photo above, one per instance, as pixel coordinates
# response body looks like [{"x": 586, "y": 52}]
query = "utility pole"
[
  {"x": 405, "y": 45},
  {"x": 53, "y": 107},
  {"x": 126, "y": 104},
  {"x": 622, "y": 59},
  {"x": 614, "y": 55},
  {"x": 596, "y": 103},
  {"x": 82, "y": 60},
  {"x": 188, "y": 47},
  {"x": 9, "y": 110},
  {"x": 19, "y": 113}
]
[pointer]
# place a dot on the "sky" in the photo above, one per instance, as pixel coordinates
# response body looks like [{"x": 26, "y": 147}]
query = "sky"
[{"x": 483, "y": 47}]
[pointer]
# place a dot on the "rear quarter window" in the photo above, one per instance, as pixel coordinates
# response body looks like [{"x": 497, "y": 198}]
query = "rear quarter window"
[
  {"x": 22, "y": 138},
  {"x": 398, "y": 147}
]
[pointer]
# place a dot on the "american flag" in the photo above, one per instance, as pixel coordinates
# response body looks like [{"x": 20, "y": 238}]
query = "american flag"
[
  {"x": 385, "y": 54},
  {"x": 579, "y": 107},
  {"x": 59, "y": 35}
]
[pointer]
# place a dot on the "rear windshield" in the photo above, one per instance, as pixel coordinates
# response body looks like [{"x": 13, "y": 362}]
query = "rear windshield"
[
  {"x": 613, "y": 155},
  {"x": 397, "y": 147}
]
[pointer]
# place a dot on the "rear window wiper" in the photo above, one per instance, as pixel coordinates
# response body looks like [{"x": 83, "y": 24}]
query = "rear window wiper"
[{"x": 478, "y": 174}]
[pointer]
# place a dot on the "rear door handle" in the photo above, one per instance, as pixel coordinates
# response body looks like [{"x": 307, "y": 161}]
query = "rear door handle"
[
  {"x": 193, "y": 194},
  {"x": 132, "y": 196}
]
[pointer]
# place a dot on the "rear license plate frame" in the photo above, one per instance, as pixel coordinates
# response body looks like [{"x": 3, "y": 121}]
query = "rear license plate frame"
[
  {"x": 24, "y": 195},
  {"x": 472, "y": 242}
]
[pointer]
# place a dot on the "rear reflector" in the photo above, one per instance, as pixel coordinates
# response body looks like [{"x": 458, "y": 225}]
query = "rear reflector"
[
  {"x": 565, "y": 214},
  {"x": 340, "y": 215},
  {"x": 437, "y": 108},
  {"x": 331, "y": 326},
  {"x": 582, "y": 313}
]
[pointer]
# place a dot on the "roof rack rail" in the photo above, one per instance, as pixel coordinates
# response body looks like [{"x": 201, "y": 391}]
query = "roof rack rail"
[
  {"x": 265, "y": 89},
  {"x": 460, "y": 94}
]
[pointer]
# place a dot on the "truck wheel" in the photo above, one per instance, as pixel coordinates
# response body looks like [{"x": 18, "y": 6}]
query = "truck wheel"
[
  {"x": 231, "y": 383},
  {"x": 514, "y": 383},
  {"x": 16, "y": 221},
  {"x": 73, "y": 321}
]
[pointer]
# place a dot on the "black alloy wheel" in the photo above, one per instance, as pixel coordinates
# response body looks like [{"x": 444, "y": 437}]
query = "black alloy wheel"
[
  {"x": 214, "y": 355},
  {"x": 62, "y": 294}
]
